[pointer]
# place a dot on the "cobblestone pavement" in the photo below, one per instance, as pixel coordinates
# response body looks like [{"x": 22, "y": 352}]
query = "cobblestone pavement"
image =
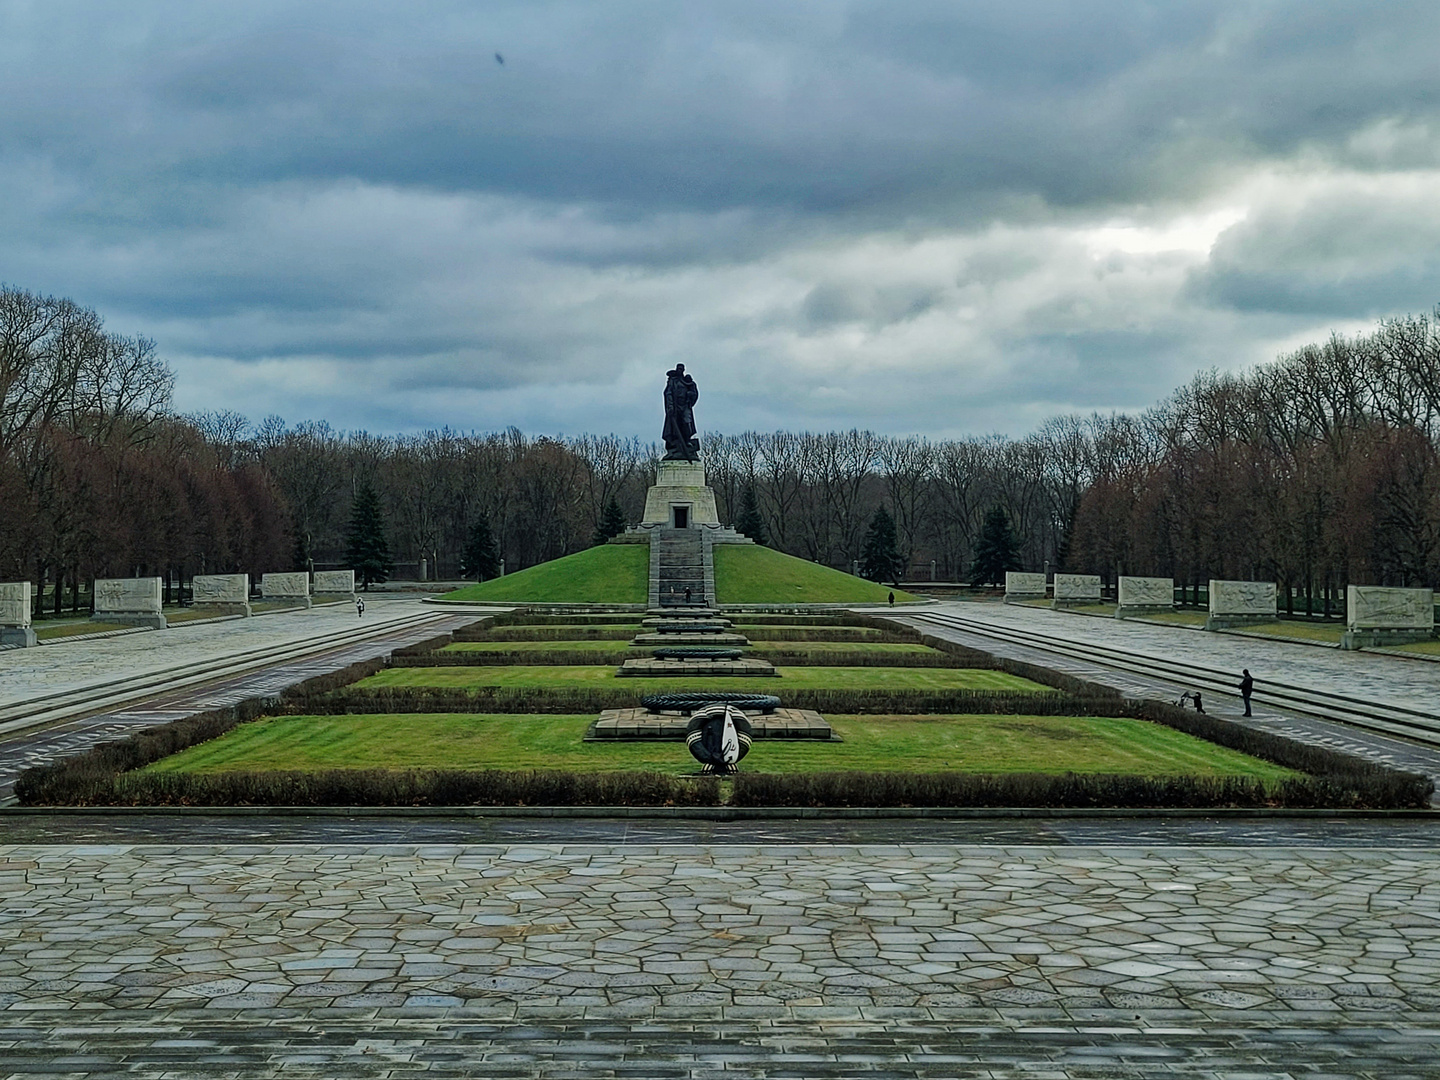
[{"x": 721, "y": 960}]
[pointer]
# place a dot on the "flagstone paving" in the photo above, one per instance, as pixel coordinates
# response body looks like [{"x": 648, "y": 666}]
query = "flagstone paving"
[{"x": 691, "y": 960}]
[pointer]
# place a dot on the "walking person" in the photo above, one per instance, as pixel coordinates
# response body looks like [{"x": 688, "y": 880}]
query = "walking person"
[
  {"x": 359, "y": 607},
  {"x": 892, "y": 599},
  {"x": 1247, "y": 685}
]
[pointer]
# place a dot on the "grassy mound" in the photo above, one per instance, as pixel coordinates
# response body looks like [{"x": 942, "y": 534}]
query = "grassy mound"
[
  {"x": 607, "y": 574},
  {"x": 746, "y": 574}
]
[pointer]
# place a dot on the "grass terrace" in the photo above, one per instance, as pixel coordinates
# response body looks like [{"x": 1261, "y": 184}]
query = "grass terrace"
[
  {"x": 750, "y": 574},
  {"x": 975, "y": 744},
  {"x": 606, "y": 574}
]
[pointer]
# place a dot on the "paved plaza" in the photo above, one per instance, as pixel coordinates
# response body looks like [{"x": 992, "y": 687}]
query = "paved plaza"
[{"x": 719, "y": 960}]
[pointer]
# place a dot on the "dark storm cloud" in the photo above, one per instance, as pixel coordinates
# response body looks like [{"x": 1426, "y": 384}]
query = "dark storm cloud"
[{"x": 875, "y": 191}]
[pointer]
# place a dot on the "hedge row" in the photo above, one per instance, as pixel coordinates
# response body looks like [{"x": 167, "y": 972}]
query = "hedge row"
[
  {"x": 434, "y": 699},
  {"x": 524, "y": 618},
  {"x": 579, "y": 658},
  {"x": 549, "y": 633},
  {"x": 827, "y": 633},
  {"x": 1351, "y": 791},
  {"x": 411, "y": 787}
]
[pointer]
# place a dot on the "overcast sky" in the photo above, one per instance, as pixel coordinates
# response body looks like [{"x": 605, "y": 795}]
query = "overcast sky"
[{"x": 933, "y": 217}]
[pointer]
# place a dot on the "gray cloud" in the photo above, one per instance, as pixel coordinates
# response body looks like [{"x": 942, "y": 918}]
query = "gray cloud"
[{"x": 921, "y": 216}]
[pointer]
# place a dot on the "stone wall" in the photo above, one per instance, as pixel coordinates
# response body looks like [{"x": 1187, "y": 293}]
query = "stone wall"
[
  {"x": 131, "y": 601},
  {"x": 1023, "y": 586},
  {"x": 221, "y": 588},
  {"x": 1072, "y": 590}
]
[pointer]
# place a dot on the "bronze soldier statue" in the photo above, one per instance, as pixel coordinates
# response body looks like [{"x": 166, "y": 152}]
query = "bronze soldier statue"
[{"x": 679, "y": 434}]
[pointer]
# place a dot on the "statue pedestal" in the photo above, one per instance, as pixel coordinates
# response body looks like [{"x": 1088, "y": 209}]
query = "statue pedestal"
[{"x": 680, "y": 498}]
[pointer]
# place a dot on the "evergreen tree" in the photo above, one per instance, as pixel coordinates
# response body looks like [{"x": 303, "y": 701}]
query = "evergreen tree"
[
  {"x": 369, "y": 551},
  {"x": 880, "y": 558},
  {"x": 482, "y": 554},
  {"x": 750, "y": 522},
  {"x": 612, "y": 523},
  {"x": 996, "y": 549}
]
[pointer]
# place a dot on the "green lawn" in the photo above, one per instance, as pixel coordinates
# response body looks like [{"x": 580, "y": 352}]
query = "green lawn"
[
  {"x": 989, "y": 744},
  {"x": 64, "y": 630},
  {"x": 755, "y": 647},
  {"x": 584, "y": 645},
  {"x": 799, "y": 678},
  {"x": 1430, "y": 648},
  {"x": 1303, "y": 631},
  {"x": 607, "y": 574},
  {"x": 746, "y": 574}
]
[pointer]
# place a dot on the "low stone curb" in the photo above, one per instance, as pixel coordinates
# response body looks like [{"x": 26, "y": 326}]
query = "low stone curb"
[{"x": 720, "y": 813}]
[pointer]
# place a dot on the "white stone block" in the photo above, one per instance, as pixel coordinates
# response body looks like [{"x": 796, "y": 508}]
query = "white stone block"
[
  {"x": 1374, "y": 607},
  {"x": 1243, "y": 598},
  {"x": 680, "y": 484},
  {"x": 1146, "y": 592},
  {"x": 15, "y": 604},
  {"x": 221, "y": 588},
  {"x": 288, "y": 586},
  {"x": 1018, "y": 583},
  {"x": 128, "y": 596},
  {"x": 1077, "y": 587},
  {"x": 335, "y": 581}
]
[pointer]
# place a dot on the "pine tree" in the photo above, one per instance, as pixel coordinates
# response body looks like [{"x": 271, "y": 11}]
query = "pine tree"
[
  {"x": 369, "y": 551},
  {"x": 880, "y": 558},
  {"x": 750, "y": 522},
  {"x": 482, "y": 555},
  {"x": 996, "y": 549},
  {"x": 612, "y": 523}
]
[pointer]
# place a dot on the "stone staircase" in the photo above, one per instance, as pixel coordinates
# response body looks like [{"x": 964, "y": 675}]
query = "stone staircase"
[{"x": 677, "y": 563}]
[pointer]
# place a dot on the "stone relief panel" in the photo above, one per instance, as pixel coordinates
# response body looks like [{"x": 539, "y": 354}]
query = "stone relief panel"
[
  {"x": 335, "y": 581},
  {"x": 221, "y": 588},
  {"x": 1147, "y": 592},
  {"x": 15, "y": 604},
  {"x": 1023, "y": 584},
  {"x": 1077, "y": 586},
  {"x": 293, "y": 584},
  {"x": 1243, "y": 598},
  {"x": 1375, "y": 607},
  {"x": 128, "y": 595}
]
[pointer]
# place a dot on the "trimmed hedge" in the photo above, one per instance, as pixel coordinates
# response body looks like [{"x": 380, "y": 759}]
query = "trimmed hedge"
[
  {"x": 549, "y": 633},
  {"x": 522, "y": 658},
  {"x": 1354, "y": 791},
  {"x": 412, "y": 787},
  {"x": 825, "y": 633},
  {"x": 523, "y": 618}
]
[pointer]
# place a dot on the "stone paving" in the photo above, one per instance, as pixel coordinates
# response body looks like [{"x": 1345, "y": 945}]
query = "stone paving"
[{"x": 571, "y": 960}]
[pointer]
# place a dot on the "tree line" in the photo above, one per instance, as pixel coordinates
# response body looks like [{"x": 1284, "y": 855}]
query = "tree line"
[{"x": 1315, "y": 470}]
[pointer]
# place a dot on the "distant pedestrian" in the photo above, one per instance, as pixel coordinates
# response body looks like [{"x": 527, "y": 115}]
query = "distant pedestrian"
[
  {"x": 687, "y": 594},
  {"x": 892, "y": 599},
  {"x": 1247, "y": 685},
  {"x": 359, "y": 606}
]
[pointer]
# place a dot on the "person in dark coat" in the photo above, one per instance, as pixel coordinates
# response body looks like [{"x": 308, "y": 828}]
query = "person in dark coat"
[{"x": 1247, "y": 685}]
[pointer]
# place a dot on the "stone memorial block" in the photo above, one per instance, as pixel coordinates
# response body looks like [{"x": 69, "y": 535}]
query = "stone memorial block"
[
  {"x": 292, "y": 586},
  {"x": 1075, "y": 590},
  {"x": 1235, "y": 603},
  {"x": 337, "y": 582},
  {"x": 15, "y": 612},
  {"x": 222, "y": 591},
  {"x": 1023, "y": 586},
  {"x": 1144, "y": 595},
  {"x": 131, "y": 601},
  {"x": 1376, "y": 615},
  {"x": 680, "y": 486}
]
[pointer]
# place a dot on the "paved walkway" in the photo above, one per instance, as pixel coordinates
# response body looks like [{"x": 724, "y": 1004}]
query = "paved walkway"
[{"x": 603, "y": 960}]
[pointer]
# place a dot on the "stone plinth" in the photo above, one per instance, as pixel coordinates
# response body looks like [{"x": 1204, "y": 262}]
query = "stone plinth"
[
  {"x": 1241, "y": 603},
  {"x": 222, "y": 593},
  {"x": 15, "y": 614},
  {"x": 690, "y": 639},
  {"x": 130, "y": 601},
  {"x": 643, "y": 724},
  {"x": 652, "y": 667},
  {"x": 680, "y": 485},
  {"x": 1144, "y": 596},
  {"x": 1022, "y": 586},
  {"x": 1076, "y": 590},
  {"x": 1375, "y": 615},
  {"x": 293, "y": 587},
  {"x": 335, "y": 584}
]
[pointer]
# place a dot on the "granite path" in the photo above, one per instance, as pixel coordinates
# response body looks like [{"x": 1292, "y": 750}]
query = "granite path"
[{"x": 718, "y": 960}]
